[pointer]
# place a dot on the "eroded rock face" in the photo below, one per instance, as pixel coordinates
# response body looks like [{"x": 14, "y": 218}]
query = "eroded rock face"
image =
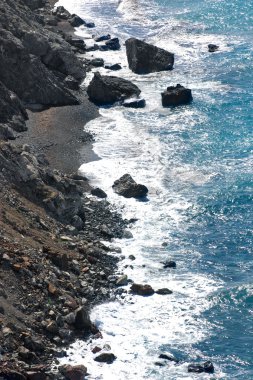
[
  {"x": 12, "y": 113},
  {"x": 31, "y": 56},
  {"x": 109, "y": 89},
  {"x": 128, "y": 188},
  {"x": 176, "y": 96},
  {"x": 144, "y": 58}
]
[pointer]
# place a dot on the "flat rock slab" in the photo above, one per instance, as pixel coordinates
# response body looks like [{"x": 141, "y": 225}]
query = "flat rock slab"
[
  {"x": 176, "y": 95},
  {"x": 144, "y": 58}
]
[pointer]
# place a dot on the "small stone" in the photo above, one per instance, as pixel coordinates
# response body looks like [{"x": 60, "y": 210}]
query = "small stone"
[
  {"x": 122, "y": 281},
  {"x": 164, "y": 291},
  {"x": 52, "y": 289},
  {"x": 96, "y": 349}
]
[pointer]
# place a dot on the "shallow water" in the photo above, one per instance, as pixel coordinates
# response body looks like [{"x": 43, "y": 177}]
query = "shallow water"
[{"x": 196, "y": 161}]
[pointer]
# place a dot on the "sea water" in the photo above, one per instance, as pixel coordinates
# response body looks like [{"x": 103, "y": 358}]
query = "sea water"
[{"x": 197, "y": 162}]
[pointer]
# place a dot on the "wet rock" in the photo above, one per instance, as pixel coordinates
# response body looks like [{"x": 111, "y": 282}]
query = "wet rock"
[
  {"x": 97, "y": 62},
  {"x": 164, "y": 291},
  {"x": 114, "y": 67},
  {"x": 108, "y": 89},
  {"x": 76, "y": 372},
  {"x": 212, "y": 48},
  {"x": 113, "y": 44},
  {"x": 96, "y": 349},
  {"x": 142, "y": 290},
  {"x": 176, "y": 95},
  {"x": 105, "y": 357},
  {"x": 82, "y": 319},
  {"x": 98, "y": 193},
  {"x": 128, "y": 188},
  {"x": 90, "y": 25},
  {"x": 200, "y": 368},
  {"x": 169, "y": 264},
  {"x": 76, "y": 21},
  {"x": 131, "y": 257},
  {"x": 134, "y": 103},
  {"x": 144, "y": 58},
  {"x": 105, "y": 37}
]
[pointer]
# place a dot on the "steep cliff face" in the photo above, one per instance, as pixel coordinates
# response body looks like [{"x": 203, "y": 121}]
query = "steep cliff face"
[{"x": 34, "y": 61}]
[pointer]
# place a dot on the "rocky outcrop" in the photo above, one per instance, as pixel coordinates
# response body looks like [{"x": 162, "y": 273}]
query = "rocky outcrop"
[
  {"x": 144, "y": 58},
  {"x": 109, "y": 89},
  {"x": 176, "y": 96},
  {"x": 34, "y": 60},
  {"x": 128, "y": 188}
]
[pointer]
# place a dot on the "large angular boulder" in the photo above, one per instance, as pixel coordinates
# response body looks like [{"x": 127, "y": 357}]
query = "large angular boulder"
[
  {"x": 109, "y": 89},
  {"x": 128, "y": 188},
  {"x": 176, "y": 95},
  {"x": 144, "y": 58}
]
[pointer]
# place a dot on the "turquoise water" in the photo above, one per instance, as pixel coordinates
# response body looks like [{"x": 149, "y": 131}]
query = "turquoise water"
[{"x": 197, "y": 162}]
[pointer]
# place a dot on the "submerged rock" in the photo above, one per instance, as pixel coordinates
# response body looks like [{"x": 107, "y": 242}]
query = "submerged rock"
[
  {"x": 108, "y": 89},
  {"x": 144, "y": 58},
  {"x": 128, "y": 188},
  {"x": 176, "y": 95},
  {"x": 200, "y": 368},
  {"x": 169, "y": 264},
  {"x": 142, "y": 290}
]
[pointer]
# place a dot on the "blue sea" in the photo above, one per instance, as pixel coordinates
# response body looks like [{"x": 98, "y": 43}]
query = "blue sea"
[{"x": 197, "y": 162}]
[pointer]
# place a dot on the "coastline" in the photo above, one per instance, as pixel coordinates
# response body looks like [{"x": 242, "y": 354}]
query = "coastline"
[{"x": 63, "y": 269}]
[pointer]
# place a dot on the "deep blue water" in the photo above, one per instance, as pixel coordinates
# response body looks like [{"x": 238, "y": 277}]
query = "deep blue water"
[{"x": 197, "y": 161}]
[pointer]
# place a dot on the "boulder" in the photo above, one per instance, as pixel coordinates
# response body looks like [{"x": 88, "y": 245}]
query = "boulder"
[
  {"x": 122, "y": 280},
  {"x": 144, "y": 58},
  {"x": 212, "y": 48},
  {"x": 97, "y": 62},
  {"x": 176, "y": 95},
  {"x": 82, "y": 319},
  {"x": 169, "y": 264},
  {"x": 114, "y": 67},
  {"x": 128, "y": 188},
  {"x": 90, "y": 25},
  {"x": 76, "y": 372},
  {"x": 134, "y": 103},
  {"x": 206, "y": 367},
  {"x": 169, "y": 357},
  {"x": 105, "y": 357},
  {"x": 61, "y": 13},
  {"x": 108, "y": 89},
  {"x": 76, "y": 21},
  {"x": 113, "y": 44},
  {"x": 98, "y": 192},
  {"x": 142, "y": 290}
]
